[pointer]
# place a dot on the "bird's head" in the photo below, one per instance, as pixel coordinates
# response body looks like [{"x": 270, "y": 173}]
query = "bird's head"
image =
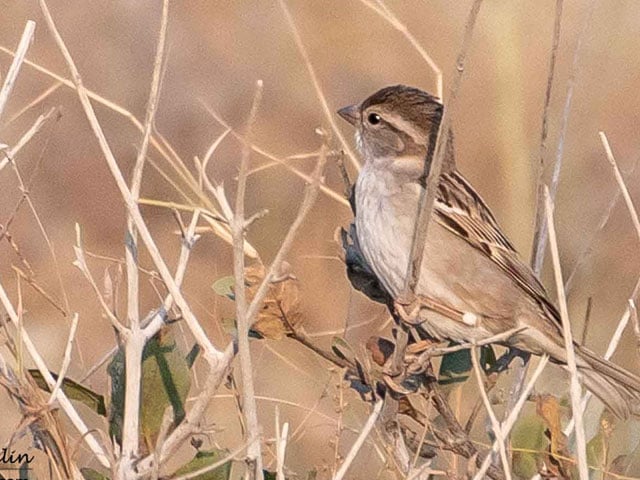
[{"x": 395, "y": 126}]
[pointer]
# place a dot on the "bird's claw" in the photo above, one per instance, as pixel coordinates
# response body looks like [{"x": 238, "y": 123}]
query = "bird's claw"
[{"x": 408, "y": 313}]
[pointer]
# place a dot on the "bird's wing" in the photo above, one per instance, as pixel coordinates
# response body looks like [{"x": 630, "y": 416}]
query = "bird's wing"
[{"x": 461, "y": 210}]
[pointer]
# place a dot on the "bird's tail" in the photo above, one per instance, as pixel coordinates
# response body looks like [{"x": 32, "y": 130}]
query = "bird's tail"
[{"x": 618, "y": 388}]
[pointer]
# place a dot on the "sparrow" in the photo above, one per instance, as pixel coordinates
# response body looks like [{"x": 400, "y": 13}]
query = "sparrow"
[{"x": 473, "y": 285}]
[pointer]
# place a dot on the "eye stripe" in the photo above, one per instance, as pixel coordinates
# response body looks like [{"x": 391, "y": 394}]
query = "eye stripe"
[{"x": 407, "y": 128}]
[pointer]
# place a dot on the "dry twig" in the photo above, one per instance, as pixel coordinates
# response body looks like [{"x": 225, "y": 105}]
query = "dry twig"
[
  {"x": 542, "y": 229},
  {"x": 434, "y": 168},
  {"x": 576, "y": 391},
  {"x": 623, "y": 187},
  {"x": 508, "y": 423},
  {"x": 357, "y": 445},
  {"x": 383, "y": 11},
  {"x": 18, "y": 59},
  {"x": 495, "y": 424},
  {"x": 238, "y": 228},
  {"x": 329, "y": 114}
]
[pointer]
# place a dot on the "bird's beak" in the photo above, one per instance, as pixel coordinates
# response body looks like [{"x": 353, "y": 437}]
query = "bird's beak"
[{"x": 350, "y": 114}]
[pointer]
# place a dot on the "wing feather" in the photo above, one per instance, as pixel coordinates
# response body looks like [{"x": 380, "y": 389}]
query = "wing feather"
[{"x": 461, "y": 210}]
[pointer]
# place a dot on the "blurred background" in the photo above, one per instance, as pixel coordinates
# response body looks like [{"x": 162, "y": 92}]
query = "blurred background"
[{"x": 217, "y": 51}]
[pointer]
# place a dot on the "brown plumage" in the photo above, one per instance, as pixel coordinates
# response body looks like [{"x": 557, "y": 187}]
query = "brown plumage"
[{"x": 473, "y": 280}]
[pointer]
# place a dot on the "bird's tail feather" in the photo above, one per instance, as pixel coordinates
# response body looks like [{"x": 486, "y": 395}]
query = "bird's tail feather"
[{"x": 618, "y": 388}]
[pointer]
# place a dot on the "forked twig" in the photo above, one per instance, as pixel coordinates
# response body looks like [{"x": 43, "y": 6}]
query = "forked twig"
[
  {"x": 135, "y": 337},
  {"x": 495, "y": 424},
  {"x": 212, "y": 354}
]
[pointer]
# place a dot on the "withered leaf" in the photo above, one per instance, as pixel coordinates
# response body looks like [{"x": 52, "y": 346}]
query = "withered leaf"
[{"x": 281, "y": 309}]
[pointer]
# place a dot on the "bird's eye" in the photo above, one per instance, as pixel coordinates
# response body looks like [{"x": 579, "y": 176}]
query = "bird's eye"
[{"x": 374, "y": 119}]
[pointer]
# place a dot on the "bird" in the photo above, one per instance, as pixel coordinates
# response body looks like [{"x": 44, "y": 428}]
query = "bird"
[{"x": 472, "y": 282}]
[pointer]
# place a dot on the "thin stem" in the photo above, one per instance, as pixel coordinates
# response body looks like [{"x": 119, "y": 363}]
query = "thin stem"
[
  {"x": 497, "y": 428},
  {"x": 434, "y": 168},
  {"x": 249, "y": 407},
  {"x": 576, "y": 391},
  {"x": 211, "y": 353},
  {"x": 18, "y": 59},
  {"x": 135, "y": 339},
  {"x": 357, "y": 445},
  {"x": 537, "y": 253},
  {"x": 542, "y": 229},
  {"x": 623, "y": 187},
  {"x": 328, "y": 113}
]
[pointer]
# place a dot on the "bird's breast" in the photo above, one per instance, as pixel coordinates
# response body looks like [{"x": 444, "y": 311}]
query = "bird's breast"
[{"x": 385, "y": 219}]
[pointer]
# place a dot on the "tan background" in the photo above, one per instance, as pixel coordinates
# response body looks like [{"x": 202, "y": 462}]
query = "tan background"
[{"x": 216, "y": 52}]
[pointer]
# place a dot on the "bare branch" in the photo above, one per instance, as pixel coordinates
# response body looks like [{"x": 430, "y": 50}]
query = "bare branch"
[
  {"x": 81, "y": 263},
  {"x": 249, "y": 407},
  {"x": 281, "y": 445},
  {"x": 613, "y": 345},
  {"x": 212, "y": 354},
  {"x": 507, "y": 425},
  {"x": 47, "y": 92},
  {"x": 28, "y": 135},
  {"x": 63, "y": 400},
  {"x": 66, "y": 360},
  {"x": 274, "y": 158}
]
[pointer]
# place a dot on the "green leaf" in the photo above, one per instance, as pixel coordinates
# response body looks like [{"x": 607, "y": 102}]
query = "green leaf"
[
  {"x": 269, "y": 475},
  {"x": 597, "y": 451},
  {"x": 204, "y": 459},
  {"x": 527, "y": 435},
  {"x": 193, "y": 355},
  {"x": 455, "y": 367},
  {"x": 225, "y": 287},
  {"x": 166, "y": 380},
  {"x": 91, "y": 474},
  {"x": 74, "y": 391},
  {"x": 25, "y": 472}
]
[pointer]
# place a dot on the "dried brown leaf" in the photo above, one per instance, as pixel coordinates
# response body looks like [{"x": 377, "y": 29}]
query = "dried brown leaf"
[{"x": 281, "y": 310}]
